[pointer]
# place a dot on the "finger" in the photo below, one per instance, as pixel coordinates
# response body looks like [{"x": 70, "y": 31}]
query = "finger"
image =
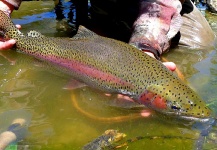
[
  {"x": 149, "y": 53},
  {"x": 18, "y": 26},
  {"x": 170, "y": 65},
  {"x": 7, "y": 44}
]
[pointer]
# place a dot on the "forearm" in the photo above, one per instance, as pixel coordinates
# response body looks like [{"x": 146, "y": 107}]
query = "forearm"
[
  {"x": 9, "y": 5},
  {"x": 14, "y": 3}
]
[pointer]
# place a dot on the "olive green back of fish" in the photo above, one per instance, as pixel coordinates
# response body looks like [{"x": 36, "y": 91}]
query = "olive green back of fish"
[{"x": 112, "y": 66}]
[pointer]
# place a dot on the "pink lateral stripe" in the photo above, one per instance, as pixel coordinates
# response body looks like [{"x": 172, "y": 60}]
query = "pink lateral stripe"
[{"x": 85, "y": 70}]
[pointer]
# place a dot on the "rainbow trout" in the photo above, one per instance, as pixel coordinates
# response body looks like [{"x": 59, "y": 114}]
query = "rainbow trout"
[{"x": 112, "y": 66}]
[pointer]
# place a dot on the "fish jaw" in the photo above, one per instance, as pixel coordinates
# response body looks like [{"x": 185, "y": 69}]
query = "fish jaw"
[{"x": 176, "y": 101}]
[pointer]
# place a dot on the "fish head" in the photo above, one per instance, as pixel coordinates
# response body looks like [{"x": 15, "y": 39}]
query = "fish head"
[{"x": 177, "y": 100}]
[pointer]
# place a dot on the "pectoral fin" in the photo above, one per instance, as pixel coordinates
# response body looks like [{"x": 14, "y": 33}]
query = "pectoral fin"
[{"x": 74, "y": 84}]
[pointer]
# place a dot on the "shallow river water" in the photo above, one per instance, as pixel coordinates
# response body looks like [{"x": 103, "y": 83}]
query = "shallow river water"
[{"x": 62, "y": 118}]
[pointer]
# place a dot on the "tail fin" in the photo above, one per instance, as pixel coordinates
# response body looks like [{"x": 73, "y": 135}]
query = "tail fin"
[{"x": 7, "y": 27}]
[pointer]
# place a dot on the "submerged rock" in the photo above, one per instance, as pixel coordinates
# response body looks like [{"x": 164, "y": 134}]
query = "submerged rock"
[{"x": 105, "y": 141}]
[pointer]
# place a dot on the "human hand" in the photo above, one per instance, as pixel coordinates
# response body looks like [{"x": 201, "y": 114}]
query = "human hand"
[
  {"x": 170, "y": 65},
  {"x": 7, "y": 44},
  {"x": 4, "y": 45},
  {"x": 8, "y": 9}
]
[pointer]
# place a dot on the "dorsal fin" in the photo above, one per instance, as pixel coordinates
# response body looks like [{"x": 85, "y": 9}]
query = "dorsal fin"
[
  {"x": 84, "y": 33},
  {"x": 34, "y": 33}
]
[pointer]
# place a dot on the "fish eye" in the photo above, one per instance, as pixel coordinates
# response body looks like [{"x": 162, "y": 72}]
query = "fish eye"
[{"x": 175, "y": 107}]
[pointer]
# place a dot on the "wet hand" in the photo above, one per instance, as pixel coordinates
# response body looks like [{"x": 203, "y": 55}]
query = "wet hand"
[
  {"x": 7, "y": 44},
  {"x": 8, "y": 9},
  {"x": 170, "y": 65},
  {"x": 4, "y": 45}
]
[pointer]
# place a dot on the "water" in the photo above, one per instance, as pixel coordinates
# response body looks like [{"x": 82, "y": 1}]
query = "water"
[{"x": 69, "y": 119}]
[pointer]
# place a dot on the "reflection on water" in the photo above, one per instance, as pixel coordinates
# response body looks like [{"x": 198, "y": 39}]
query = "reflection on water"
[{"x": 59, "y": 123}]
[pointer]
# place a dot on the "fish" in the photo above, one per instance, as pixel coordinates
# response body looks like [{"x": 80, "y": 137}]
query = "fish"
[{"x": 113, "y": 67}]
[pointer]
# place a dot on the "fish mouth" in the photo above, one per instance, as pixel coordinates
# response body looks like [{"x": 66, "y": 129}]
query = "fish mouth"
[
  {"x": 188, "y": 118},
  {"x": 202, "y": 120}
]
